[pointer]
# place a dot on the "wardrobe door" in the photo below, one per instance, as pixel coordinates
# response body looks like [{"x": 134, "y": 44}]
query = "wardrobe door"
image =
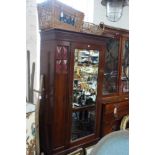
[{"x": 84, "y": 94}]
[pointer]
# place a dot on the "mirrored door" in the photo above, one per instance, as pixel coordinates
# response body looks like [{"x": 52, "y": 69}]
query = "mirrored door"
[{"x": 84, "y": 93}]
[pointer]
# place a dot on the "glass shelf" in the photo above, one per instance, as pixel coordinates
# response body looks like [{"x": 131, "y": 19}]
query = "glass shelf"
[{"x": 87, "y": 107}]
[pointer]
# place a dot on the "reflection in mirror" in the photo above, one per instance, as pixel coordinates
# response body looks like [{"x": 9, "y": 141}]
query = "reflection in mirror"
[
  {"x": 111, "y": 67},
  {"x": 85, "y": 77},
  {"x": 83, "y": 123},
  {"x": 84, "y": 92},
  {"x": 125, "y": 68}
]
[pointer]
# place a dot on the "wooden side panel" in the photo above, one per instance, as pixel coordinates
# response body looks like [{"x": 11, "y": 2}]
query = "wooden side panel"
[
  {"x": 59, "y": 113},
  {"x": 46, "y": 69},
  {"x": 61, "y": 94}
]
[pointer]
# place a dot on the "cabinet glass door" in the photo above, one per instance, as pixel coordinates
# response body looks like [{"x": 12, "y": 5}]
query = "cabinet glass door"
[
  {"x": 84, "y": 93},
  {"x": 110, "y": 82},
  {"x": 125, "y": 67}
]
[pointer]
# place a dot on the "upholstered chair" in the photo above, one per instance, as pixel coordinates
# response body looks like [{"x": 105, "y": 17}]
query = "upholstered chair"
[{"x": 115, "y": 143}]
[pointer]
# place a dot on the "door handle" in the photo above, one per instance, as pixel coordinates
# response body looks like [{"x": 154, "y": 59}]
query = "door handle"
[{"x": 115, "y": 112}]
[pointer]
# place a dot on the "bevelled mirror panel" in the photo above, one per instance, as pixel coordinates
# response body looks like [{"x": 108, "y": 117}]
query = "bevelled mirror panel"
[
  {"x": 84, "y": 92},
  {"x": 83, "y": 123}
]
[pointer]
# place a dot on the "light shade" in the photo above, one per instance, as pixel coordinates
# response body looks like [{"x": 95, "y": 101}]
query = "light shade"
[{"x": 114, "y": 8}]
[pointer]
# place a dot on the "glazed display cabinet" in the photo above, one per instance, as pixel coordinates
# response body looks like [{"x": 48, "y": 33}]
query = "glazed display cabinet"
[{"x": 82, "y": 73}]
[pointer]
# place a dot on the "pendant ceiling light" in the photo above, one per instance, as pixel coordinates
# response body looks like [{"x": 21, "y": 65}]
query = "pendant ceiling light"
[{"x": 114, "y": 8}]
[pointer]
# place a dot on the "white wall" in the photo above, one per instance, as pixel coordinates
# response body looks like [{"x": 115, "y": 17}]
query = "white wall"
[
  {"x": 100, "y": 16},
  {"x": 32, "y": 38}
]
